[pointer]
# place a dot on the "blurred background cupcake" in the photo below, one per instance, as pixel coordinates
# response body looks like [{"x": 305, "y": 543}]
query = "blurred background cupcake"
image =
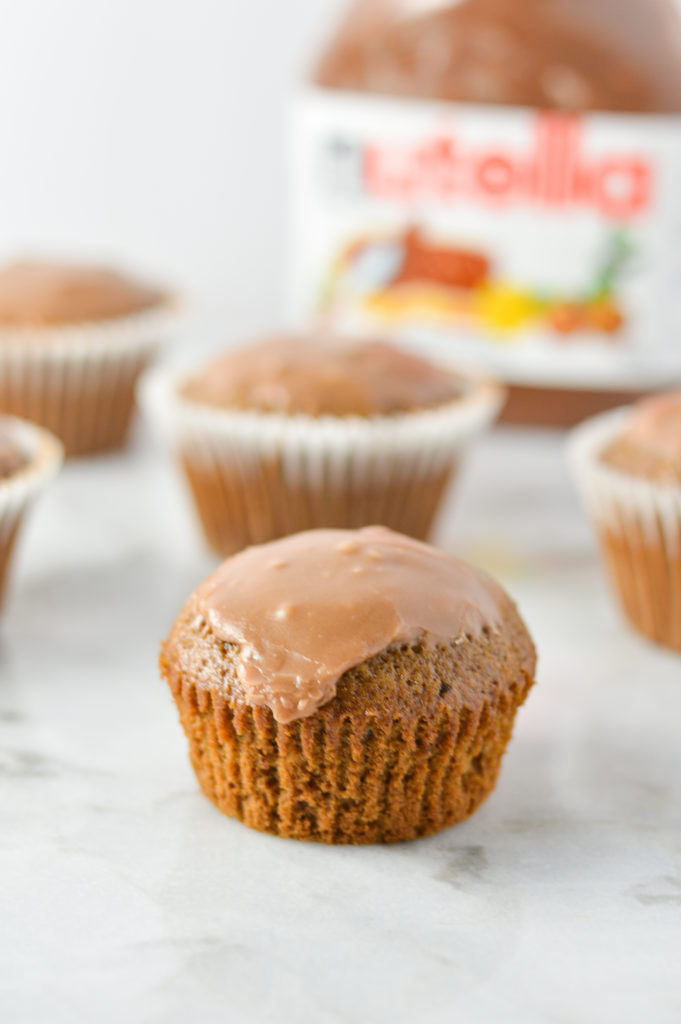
[
  {"x": 295, "y": 433},
  {"x": 29, "y": 458},
  {"x": 628, "y": 465},
  {"x": 73, "y": 341}
]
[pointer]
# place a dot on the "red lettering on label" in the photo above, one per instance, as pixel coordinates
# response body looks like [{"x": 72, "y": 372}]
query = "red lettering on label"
[
  {"x": 554, "y": 172},
  {"x": 623, "y": 187},
  {"x": 495, "y": 176}
]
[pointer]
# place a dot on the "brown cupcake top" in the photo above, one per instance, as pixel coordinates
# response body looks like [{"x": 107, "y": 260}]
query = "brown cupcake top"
[
  {"x": 305, "y": 609},
  {"x": 322, "y": 376},
  {"x": 45, "y": 294},
  {"x": 12, "y": 458},
  {"x": 650, "y": 445}
]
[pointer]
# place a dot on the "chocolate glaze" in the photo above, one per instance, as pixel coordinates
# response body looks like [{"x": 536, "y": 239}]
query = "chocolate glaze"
[
  {"x": 305, "y": 609},
  {"x": 322, "y": 376},
  {"x": 39, "y": 293},
  {"x": 650, "y": 444}
]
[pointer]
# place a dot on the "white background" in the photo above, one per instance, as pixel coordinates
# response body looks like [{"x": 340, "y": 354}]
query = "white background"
[{"x": 152, "y": 133}]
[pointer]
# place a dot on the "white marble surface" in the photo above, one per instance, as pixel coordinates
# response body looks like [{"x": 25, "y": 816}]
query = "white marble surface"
[{"x": 126, "y": 897}]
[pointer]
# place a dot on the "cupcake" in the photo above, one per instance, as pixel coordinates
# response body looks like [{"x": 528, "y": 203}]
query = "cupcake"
[
  {"x": 73, "y": 341},
  {"x": 628, "y": 465},
  {"x": 29, "y": 458},
  {"x": 297, "y": 433},
  {"x": 348, "y": 686}
]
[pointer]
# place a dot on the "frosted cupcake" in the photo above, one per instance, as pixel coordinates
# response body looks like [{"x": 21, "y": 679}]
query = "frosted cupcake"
[
  {"x": 73, "y": 341},
  {"x": 29, "y": 458},
  {"x": 348, "y": 686},
  {"x": 628, "y": 464},
  {"x": 297, "y": 433}
]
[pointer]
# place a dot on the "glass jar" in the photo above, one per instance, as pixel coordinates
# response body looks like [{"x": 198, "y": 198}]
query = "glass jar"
[{"x": 497, "y": 182}]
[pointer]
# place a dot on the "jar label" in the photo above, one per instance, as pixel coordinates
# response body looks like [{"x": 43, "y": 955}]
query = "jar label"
[{"x": 544, "y": 248}]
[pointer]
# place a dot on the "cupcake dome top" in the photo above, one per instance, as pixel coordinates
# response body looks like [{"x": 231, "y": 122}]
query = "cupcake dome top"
[
  {"x": 305, "y": 609},
  {"x": 12, "y": 458},
  {"x": 650, "y": 444},
  {"x": 38, "y": 293},
  {"x": 322, "y": 376}
]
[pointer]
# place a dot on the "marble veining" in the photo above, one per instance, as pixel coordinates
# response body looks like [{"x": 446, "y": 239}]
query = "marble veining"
[{"x": 124, "y": 895}]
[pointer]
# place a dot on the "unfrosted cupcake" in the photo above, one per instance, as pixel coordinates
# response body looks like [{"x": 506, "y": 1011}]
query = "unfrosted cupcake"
[
  {"x": 73, "y": 341},
  {"x": 628, "y": 465},
  {"x": 348, "y": 686},
  {"x": 296, "y": 433},
  {"x": 29, "y": 458}
]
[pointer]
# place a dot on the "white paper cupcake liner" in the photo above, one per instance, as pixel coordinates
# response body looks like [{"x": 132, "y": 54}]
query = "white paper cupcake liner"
[
  {"x": 79, "y": 381},
  {"x": 639, "y": 527},
  {"x": 18, "y": 492},
  {"x": 263, "y": 475}
]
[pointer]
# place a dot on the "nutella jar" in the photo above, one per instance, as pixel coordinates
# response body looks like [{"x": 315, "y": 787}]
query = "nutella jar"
[{"x": 499, "y": 183}]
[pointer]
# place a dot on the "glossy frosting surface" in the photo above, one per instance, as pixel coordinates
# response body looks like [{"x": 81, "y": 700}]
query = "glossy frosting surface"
[
  {"x": 35, "y": 293},
  {"x": 320, "y": 375},
  {"x": 650, "y": 444},
  {"x": 307, "y": 608},
  {"x": 656, "y": 424}
]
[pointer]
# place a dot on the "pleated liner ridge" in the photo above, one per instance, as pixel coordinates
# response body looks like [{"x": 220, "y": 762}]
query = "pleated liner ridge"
[
  {"x": 638, "y": 523},
  {"x": 87, "y": 403},
  {"x": 255, "y": 477},
  {"x": 239, "y": 506},
  {"x": 80, "y": 382},
  {"x": 646, "y": 572},
  {"x": 402, "y": 751}
]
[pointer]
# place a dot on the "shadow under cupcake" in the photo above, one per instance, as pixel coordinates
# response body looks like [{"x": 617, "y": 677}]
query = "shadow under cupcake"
[
  {"x": 628, "y": 466},
  {"x": 296, "y": 433},
  {"x": 73, "y": 342}
]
